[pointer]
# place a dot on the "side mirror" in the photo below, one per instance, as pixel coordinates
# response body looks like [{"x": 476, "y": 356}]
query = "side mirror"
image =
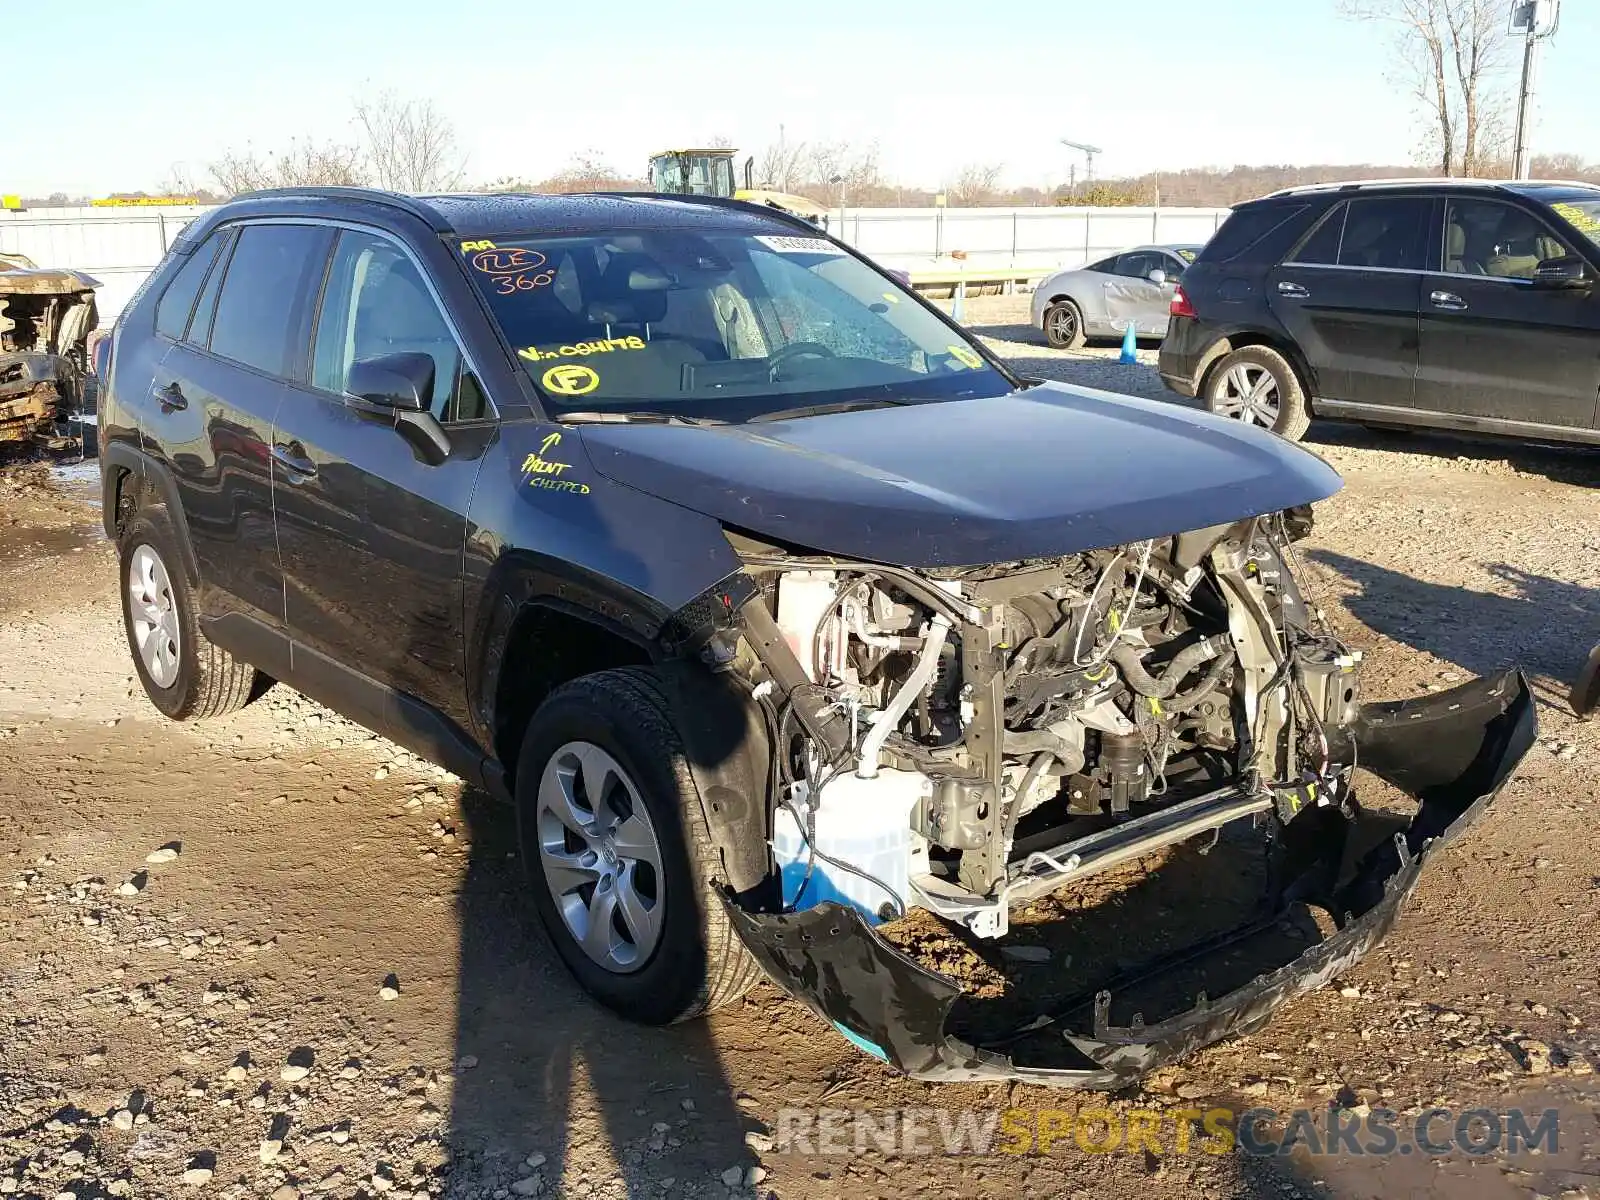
[
  {"x": 1558, "y": 274},
  {"x": 1157, "y": 277},
  {"x": 398, "y": 381},
  {"x": 397, "y": 389}
]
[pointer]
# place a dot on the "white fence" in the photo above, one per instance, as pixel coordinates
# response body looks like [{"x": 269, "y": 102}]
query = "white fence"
[
  {"x": 120, "y": 246},
  {"x": 117, "y": 246},
  {"x": 1015, "y": 238}
]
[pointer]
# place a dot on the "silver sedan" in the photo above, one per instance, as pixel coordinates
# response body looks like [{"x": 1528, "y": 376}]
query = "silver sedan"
[{"x": 1100, "y": 300}]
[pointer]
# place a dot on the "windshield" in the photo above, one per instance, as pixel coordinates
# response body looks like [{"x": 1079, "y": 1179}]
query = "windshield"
[
  {"x": 723, "y": 325},
  {"x": 1582, "y": 215},
  {"x": 692, "y": 174}
]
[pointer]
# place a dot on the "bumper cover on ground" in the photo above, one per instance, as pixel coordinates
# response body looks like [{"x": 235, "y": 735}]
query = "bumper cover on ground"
[{"x": 1452, "y": 751}]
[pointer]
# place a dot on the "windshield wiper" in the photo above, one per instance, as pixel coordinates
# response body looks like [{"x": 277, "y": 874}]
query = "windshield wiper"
[
  {"x": 632, "y": 416},
  {"x": 817, "y": 410}
]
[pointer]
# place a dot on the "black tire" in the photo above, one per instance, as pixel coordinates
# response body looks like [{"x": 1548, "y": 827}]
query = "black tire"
[
  {"x": 1063, "y": 325},
  {"x": 209, "y": 681},
  {"x": 1294, "y": 413},
  {"x": 698, "y": 963}
]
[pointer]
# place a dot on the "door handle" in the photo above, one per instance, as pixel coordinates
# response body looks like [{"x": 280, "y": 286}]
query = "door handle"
[
  {"x": 292, "y": 458},
  {"x": 170, "y": 397},
  {"x": 1449, "y": 301},
  {"x": 1293, "y": 290}
]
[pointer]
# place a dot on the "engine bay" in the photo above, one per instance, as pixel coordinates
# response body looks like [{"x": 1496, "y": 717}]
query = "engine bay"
[{"x": 965, "y": 739}]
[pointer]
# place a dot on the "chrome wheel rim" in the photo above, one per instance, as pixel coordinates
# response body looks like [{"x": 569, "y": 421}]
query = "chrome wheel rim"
[
  {"x": 601, "y": 856},
  {"x": 1249, "y": 393},
  {"x": 154, "y": 616},
  {"x": 1063, "y": 324}
]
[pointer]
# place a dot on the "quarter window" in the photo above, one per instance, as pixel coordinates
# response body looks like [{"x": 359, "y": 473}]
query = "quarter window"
[
  {"x": 260, "y": 313},
  {"x": 172, "y": 313},
  {"x": 205, "y": 308}
]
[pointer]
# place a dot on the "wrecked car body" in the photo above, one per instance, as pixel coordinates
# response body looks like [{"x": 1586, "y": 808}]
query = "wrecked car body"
[
  {"x": 1022, "y": 727},
  {"x": 802, "y": 633},
  {"x": 46, "y": 317}
]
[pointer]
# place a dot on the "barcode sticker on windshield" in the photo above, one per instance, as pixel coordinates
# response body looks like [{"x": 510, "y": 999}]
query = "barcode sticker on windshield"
[{"x": 798, "y": 245}]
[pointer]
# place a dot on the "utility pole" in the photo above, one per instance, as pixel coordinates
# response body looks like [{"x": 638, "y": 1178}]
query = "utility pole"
[{"x": 1534, "y": 21}]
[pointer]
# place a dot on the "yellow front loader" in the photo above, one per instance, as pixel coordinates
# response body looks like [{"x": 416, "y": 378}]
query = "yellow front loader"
[{"x": 708, "y": 171}]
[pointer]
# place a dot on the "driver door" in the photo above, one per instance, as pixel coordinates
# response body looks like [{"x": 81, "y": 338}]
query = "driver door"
[
  {"x": 1131, "y": 296},
  {"x": 1493, "y": 344},
  {"x": 372, "y": 538}
]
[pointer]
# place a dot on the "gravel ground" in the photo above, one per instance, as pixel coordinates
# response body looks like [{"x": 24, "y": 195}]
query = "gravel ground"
[{"x": 277, "y": 956}]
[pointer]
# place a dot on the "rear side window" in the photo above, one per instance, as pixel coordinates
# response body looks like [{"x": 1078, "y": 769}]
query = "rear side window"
[
  {"x": 1245, "y": 227},
  {"x": 260, "y": 319},
  {"x": 1387, "y": 232},
  {"x": 172, "y": 312},
  {"x": 1321, "y": 248}
]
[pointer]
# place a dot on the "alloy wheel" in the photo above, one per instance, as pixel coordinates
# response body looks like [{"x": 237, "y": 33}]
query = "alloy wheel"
[
  {"x": 600, "y": 855},
  {"x": 1063, "y": 323},
  {"x": 1249, "y": 393}
]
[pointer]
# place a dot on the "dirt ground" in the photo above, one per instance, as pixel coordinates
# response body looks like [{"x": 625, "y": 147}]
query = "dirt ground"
[{"x": 196, "y": 921}]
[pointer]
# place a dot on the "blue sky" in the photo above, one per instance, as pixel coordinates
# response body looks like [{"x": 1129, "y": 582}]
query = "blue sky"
[{"x": 936, "y": 84}]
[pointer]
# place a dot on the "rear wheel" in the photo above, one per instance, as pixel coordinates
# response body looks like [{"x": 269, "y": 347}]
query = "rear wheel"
[
  {"x": 1063, "y": 325},
  {"x": 618, "y": 855},
  {"x": 185, "y": 676},
  {"x": 1258, "y": 386}
]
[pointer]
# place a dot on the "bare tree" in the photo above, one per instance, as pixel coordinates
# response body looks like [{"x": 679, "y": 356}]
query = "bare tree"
[
  {"x": 780, "y": 165},
  {"x": 974, "y": 184},
  {"x": 1478, "y": 46},
  {"x": 1448, "y": 53},
  {"x": 587, "y": 172},
  {"x": 410, "y": 144},
  {"x": 302, "y": 164}
]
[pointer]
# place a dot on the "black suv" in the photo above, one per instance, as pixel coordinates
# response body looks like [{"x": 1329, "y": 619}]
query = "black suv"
[
  {"x": 774, "y": 604},
  {"x": 1451, "y": 304}
]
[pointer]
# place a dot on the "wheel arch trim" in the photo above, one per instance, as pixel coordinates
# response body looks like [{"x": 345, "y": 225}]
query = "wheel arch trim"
[{"x": 121, "y": 462}]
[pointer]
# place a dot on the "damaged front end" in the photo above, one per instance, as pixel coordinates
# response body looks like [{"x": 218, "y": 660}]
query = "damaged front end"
[
  {"x": 46, "y": 317},
  {"x": 970, "y": 741}
]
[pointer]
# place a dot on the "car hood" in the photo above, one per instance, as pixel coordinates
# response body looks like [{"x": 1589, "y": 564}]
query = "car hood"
[{"x": 1048, "y": 471}]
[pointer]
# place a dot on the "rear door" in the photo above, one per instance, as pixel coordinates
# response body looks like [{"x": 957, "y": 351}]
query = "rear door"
[
  {"x": 217, "y": 390},
  {"x": 1495, "y": 346},
  {"x": 1349, "y": 295},
  {"x": 372, "y": 538}
]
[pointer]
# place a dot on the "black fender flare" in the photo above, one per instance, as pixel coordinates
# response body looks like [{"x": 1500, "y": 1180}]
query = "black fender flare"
[
  {"x": 730, "y": 757},
  {"x": 723, "y": 730},
  {"x": 147, "y": 469}
]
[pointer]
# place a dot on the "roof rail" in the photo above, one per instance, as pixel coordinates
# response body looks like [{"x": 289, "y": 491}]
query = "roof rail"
[
  {"x": 413, "y": 205},
  {"x": 767, "y": 210}
]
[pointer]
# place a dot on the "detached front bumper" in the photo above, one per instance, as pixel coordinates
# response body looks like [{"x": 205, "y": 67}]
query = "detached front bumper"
[{"x": 1452, "y": 751}]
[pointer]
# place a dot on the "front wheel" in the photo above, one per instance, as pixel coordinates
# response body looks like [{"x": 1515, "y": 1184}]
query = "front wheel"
[
  {"x": 1258, "y": 386},
  {"x": 1063, "y": 325},
  {"x": 617, "y": 853}
]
